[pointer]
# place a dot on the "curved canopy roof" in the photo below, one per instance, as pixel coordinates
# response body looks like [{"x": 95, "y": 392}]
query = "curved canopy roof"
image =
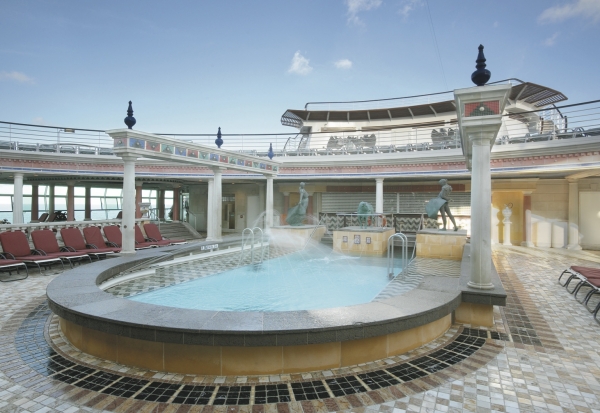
[{"x": 527, "y": 92}]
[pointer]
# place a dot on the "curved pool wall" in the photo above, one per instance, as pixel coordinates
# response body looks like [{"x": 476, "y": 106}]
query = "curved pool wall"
[{"x": 243, "y": 343}]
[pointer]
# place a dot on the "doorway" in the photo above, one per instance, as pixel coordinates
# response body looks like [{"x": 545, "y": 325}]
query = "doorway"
[{"x": 229, "y": 212}]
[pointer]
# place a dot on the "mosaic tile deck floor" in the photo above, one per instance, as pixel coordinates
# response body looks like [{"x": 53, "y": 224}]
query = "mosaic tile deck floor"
[{"x": 543, "y": 354}]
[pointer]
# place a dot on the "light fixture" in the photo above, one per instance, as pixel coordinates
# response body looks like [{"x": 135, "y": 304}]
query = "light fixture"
[{"x": 69, "y": 130}]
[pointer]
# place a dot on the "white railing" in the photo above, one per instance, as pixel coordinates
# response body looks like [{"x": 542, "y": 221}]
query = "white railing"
[
  {"x": 569, "y": 121},
  {"x": 27, "y": 228}
]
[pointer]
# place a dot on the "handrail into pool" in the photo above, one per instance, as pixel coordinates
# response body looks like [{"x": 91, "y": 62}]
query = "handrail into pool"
[{"x": 390, "y": 253}]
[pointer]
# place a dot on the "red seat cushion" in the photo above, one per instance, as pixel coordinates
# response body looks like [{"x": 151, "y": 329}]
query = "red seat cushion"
[
  {"x": 36, "y": 257},
  {"x": 153, "y": 232},
  {"x": 45, "y": 240},
  {"x": 8, "y": 262},
  {"x": 113, "y": 234},
  {"x": 16, "y": 243},
  {"x": 93, "y": 236},
  {"x": 587, "y": 271},
  {"x": 72, "y": 238}
]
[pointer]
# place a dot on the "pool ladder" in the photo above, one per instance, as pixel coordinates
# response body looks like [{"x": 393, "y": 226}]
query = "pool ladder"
[
  {"x": 390, "y": 253},
  {"x": 248, "y": 235}
]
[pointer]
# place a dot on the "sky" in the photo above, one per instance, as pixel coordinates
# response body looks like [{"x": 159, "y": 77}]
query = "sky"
[{"x": 194, "y": 66}]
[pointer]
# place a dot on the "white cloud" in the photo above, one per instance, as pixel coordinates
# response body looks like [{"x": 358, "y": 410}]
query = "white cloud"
[
  {"x": 580, "y": 8},
  {"x": 16, "y": 77},
  {"x": 300, "y": 65},
  {"x": 408, "y": 6},
  {"x": 343, "y": 64},
  {"x": 357, "y": 6},
  {"x": 551, "y": 40},
  {"x": 39, "y": 121}
]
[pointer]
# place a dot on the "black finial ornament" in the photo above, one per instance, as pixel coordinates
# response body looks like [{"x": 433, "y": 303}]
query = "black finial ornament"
[
  {"x": 270, "y": 154},
  {"x": 130, "y": 120},
  {"x": 219, "y": 141},
  {"x": 481, "y": 76}
]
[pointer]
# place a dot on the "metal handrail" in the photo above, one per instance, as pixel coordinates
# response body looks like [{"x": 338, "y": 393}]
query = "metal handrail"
[
  {"x": 262, "y": 238},
  {"x": 390, "y": 253},
  {"x": 192, "y": 215},
  {"x": 251, "y": 237}
]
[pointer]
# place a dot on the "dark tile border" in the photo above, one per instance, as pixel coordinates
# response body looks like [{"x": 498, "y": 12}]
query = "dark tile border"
[{"x": 39, "y": 366}]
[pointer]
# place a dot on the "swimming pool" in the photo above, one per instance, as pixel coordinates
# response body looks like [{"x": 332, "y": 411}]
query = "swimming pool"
[{"x": 306, "y": 280}]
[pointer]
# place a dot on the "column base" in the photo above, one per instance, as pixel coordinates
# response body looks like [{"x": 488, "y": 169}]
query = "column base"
[
  {"x": 507, "y": 243},
  {"x": 574, "y": 247},
  {"x": 488, "y": 286},
  {"x": 212, "y": 239},
  {"x": 527, "y": 244}
]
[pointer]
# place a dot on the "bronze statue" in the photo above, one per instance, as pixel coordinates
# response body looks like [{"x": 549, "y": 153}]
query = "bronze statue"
[
  {"x": 297, "y": 214},
  {"x": 441, "y": 204},
  {"x": 365, "y": 211}
]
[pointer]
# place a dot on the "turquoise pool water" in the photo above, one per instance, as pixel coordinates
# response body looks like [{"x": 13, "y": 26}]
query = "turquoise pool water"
[{"x": 306, "y": 280}]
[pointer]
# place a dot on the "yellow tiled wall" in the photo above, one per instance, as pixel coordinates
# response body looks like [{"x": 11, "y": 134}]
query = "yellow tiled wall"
[{"x": 232, "y": 360}]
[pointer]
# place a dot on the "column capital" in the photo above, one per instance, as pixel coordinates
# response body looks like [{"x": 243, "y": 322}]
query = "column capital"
[
  {"x": 128, "y": 157},
  {"x": 286, "y": 194},
  {"x": 379, "y": 180},
  {"x": 481, "y": 139},
  {"x": 218, "y": 169}
]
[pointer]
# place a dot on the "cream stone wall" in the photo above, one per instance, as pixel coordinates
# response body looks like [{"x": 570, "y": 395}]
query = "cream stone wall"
[
  {"x": 443, "y": 245},
  {"x": 550, "y": 200},
  {"x": 549, "y": 207}
]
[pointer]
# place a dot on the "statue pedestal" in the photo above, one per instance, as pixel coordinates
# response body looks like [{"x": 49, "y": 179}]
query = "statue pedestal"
[
  {"x": 296, "y": 236},
  {"x": 362, "y": 241},
  {"x": 448, "y": 245},
  {"x": 506, "y": 234}
]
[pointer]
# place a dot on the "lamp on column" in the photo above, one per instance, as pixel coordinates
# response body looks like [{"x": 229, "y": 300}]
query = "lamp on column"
[
  {"x": 219, "y": 141},
  {"x": 270, "y": 153},
  {"x": 129, "y": 120}
]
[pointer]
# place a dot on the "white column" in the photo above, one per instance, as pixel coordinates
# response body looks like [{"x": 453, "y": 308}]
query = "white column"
[
  {"x": 217, "y": 209},
  {"x": 262, "y": 197},
  {"x": 506, "y": 212},
  {"x": 210, "y": 218},
  {"x": 269, "y": 203},
  {"x": 379, "y": 195},
  {"x": 573, "y": 216},
  {"x": 128, "y": 220},
  {"x": 527, "y": 226},
  {"x": 18, "y": 199},
  {"x": 481, "y": 214}
]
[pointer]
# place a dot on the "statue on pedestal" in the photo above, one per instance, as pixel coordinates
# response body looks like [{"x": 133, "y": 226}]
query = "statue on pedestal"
[
  {"x": 365, "y": 211},
  {"x": 297, "y": 214},
  {"x": 441, "y": 204}
]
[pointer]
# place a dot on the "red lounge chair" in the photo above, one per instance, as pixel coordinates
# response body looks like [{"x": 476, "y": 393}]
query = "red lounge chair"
[
  {"x": 10, "y": 266},
  {"x": 113, "y": 234},
  {"x": 139, "y": 238},
  {"x": 44, "y": 240},
  {"x": 153, "y": 234},
  {"x": 588, "y": 277},
  {"x": 94, "y": 238},
  {"x": 74, "y": 242},
  {"x": 581, "y": 273},
  {"x": 16, "y": 247}
]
